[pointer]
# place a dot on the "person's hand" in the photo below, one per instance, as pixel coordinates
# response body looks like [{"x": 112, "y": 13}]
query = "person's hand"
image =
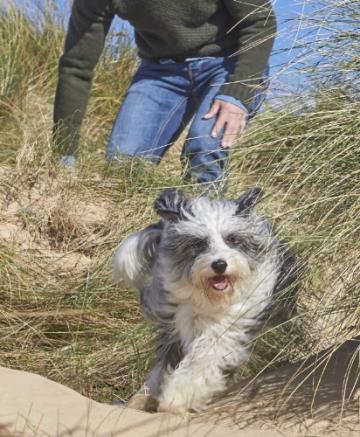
[{"x": 231, "y": 118}]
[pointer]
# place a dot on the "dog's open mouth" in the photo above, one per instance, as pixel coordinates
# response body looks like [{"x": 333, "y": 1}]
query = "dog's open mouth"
[{"x": 219, "y": 282}]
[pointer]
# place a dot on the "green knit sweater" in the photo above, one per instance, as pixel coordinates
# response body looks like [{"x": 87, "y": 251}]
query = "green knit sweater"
[{"x": 163, "y": 28}]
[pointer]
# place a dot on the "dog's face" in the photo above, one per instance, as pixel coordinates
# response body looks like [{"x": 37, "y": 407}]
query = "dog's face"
[{"x": 210, "y": 246}]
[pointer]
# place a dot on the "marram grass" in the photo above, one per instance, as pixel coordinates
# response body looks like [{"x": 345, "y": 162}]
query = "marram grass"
[{"x": 60, "y": 313}]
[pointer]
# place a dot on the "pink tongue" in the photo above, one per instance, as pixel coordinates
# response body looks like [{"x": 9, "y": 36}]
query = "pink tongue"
[{"x": 219, "y": 282}]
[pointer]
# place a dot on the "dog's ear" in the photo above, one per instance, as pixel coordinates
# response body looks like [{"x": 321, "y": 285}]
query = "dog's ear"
[
  {"x": 170, "y": 205},
  {"x": 248, "y": 200}
]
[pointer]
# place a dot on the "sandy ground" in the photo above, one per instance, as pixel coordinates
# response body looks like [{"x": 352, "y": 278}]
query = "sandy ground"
[
  {"x": 316, "y": 397},
  {"x": 31, "y": 405}
]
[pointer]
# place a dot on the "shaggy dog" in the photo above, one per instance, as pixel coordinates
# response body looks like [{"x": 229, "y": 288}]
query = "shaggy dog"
[{"x": 208, "y": 274}]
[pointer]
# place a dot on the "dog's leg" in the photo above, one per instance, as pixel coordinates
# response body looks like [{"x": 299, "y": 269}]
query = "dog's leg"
[
  {"x": 168, "y": 357},
  {"x": 200, "y": 375},
  {"x": 145, "y": 398}
]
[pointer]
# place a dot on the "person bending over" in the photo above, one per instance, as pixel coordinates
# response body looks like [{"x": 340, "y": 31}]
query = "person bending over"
[{"x": 203, "y": 63}]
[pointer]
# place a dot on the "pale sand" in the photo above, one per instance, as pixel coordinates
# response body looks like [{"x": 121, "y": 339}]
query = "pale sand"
[{"x": 31, "y": 405}]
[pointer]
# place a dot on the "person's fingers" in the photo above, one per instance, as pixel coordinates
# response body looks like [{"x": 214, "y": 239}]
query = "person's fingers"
[
  {"x": 215, "y": 108},
  {"x": 230, "y": 134},
  {"x": 219, "y": 125},
  {"x": 242, "y": 127},
  {"x": 230, "y": 119},
  {"x": 233, "y": 131}
]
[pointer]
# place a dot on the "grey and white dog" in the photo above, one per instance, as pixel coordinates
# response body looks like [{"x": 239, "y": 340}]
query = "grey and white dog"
[{"x": 208, "y": 274}]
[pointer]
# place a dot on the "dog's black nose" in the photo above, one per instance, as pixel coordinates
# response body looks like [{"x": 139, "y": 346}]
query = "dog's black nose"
[{"x": 219, "y": 266}]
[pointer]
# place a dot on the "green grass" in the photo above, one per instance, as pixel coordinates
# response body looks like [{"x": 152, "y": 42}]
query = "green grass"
[{"x": 60, "y": 313}]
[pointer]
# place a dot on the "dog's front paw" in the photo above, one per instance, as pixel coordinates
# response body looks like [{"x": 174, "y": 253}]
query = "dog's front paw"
[{"x": 143, "y": 402}]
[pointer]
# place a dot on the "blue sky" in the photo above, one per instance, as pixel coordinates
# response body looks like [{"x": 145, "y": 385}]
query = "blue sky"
[{"x": 287, "y": 56}]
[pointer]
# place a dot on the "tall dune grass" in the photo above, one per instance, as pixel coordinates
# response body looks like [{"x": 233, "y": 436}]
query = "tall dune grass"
[{"x": 60, "y": 314}]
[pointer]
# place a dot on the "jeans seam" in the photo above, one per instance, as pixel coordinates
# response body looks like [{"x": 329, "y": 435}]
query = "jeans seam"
[{"x": 166, "y": 121}]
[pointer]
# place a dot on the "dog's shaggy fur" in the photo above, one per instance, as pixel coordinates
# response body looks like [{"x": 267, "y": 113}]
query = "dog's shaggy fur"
[{"x": 207, "y": 274}]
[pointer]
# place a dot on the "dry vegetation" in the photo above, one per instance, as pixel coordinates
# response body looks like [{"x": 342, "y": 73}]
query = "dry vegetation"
[{"x": 60, "y": 314}]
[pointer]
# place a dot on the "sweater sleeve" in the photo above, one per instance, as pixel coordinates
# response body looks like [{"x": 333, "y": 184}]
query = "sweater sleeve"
[
  {"x": 256, "y": 28},
  {"x": 89, "y": 23}
]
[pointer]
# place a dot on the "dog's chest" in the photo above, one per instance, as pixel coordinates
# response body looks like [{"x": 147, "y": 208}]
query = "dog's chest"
[{"x": 190, "y": 325}]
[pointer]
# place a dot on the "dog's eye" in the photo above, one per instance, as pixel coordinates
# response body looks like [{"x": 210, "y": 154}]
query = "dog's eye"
[
  {"x": 232, "y": 240},
  {"x": 199, "y": 244},
  {"x": 244, "y": 243},
  {"x": 195, "y": 247}
]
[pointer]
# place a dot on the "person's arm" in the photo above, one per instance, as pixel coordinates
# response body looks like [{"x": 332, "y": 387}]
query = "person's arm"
[
  {"x": 89, "y": 23},
  {"x": 256, "y": 29}
]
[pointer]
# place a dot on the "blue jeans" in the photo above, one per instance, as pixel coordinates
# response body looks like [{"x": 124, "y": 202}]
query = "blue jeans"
[{"x": 161, "y": 100}]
